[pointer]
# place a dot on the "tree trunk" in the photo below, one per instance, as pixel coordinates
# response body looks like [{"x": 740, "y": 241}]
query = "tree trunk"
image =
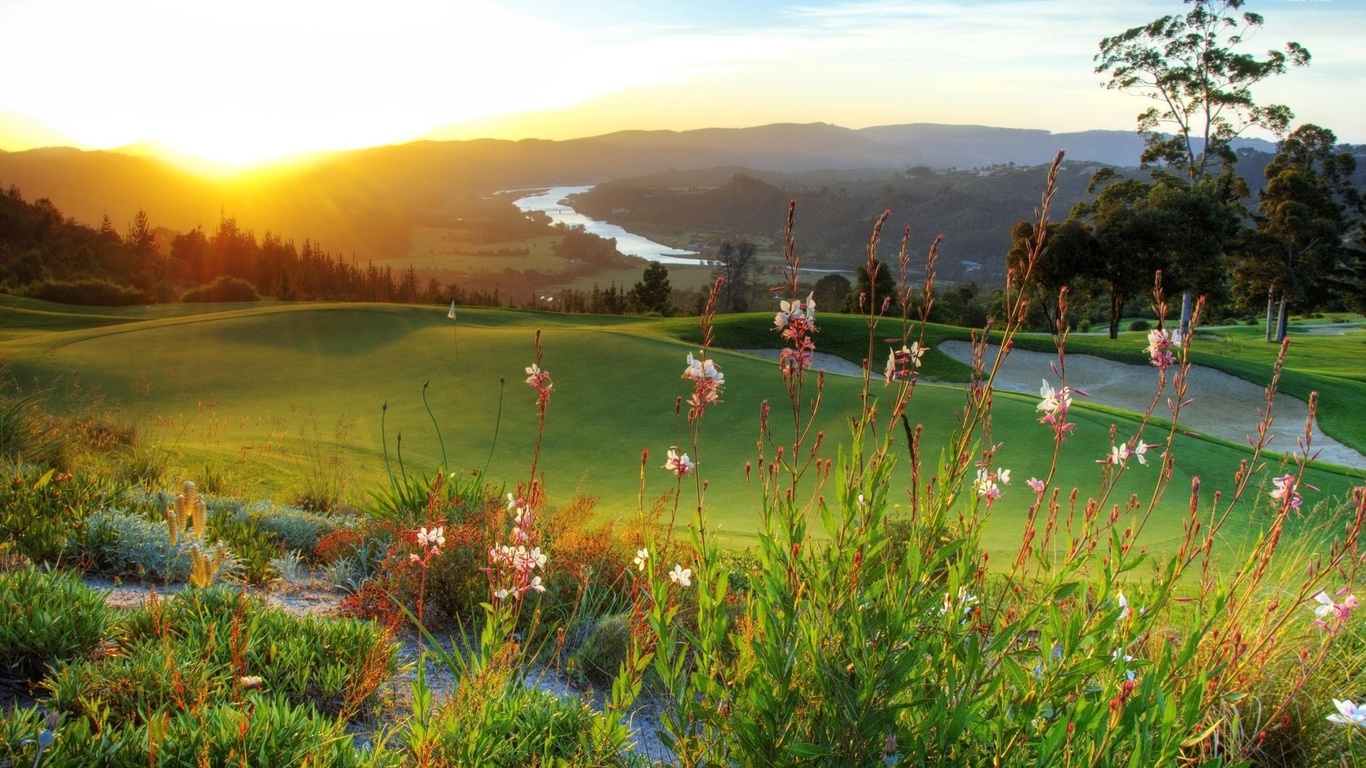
[
  {"x": 1280, "y": 321},
  {"x": 1270, "y": 322},
  {"x": 1185, "y": 314},
  {"x": 1116, "y": 307}
]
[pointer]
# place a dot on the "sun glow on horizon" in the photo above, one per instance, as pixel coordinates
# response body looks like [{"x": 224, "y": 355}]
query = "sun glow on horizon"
[{"x": 232, "y": 86}]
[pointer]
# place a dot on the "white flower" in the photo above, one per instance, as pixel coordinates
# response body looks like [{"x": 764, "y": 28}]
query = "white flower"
[
  {"x": 1003, "y": 476},
  {"x": 1325, "y": 606},
  {"x": 434, "y": 538},
  {"x": 1139, "y": 451},
  {"x": 1118, "y": 454},
  {"x": 681, "y": 576},
  {"x": 1123, "y": 607},
  {"x": 642, "y": 557},
  {"x": 1349, "y": 713}
]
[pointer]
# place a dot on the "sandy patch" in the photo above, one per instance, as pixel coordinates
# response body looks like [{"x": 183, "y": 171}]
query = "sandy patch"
[
  {"x": 820, "y": 361},
  {"x": 1222, "y": 405}
]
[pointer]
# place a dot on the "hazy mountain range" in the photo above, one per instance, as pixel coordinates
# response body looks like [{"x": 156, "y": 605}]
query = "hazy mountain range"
[{"x": 366, "y": 201}]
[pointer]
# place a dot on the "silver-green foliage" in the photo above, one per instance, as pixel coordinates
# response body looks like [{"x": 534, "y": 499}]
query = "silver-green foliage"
[{"x": 130, "y": 545}]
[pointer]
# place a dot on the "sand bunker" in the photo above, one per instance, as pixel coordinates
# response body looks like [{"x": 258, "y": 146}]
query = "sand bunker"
[{"x": 1222, "y": 405}]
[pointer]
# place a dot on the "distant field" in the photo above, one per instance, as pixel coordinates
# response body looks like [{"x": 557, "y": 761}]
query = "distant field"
[
  {"x": 266, "y": 392},
  {"x": 461, "y": 250}
]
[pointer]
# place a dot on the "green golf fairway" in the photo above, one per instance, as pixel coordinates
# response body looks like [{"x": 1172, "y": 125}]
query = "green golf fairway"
[{"x": 265, "y": 390}]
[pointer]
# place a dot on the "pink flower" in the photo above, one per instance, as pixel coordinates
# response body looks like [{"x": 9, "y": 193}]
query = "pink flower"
[
  {"x": 679, "y": 465},
  {"x": 986, "y": 483},
  {"x": 1036, "y": 484},
  {"x": 1327, "y": 609},
  {"x": 1285, "y": 491},
  {"x": 1055, "y": 405},
  {"x": 1159, "y": 349}
]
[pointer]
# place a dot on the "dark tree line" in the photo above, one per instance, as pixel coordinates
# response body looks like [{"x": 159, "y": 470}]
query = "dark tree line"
[{"x": 46, "y": 255}]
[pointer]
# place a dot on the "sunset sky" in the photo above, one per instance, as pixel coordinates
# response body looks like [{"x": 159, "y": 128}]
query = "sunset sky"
[{"x": 248, "y": 80}]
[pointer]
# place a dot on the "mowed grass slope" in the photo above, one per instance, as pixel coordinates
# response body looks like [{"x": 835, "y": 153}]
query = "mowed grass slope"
[{"x": 271, "y": 391}]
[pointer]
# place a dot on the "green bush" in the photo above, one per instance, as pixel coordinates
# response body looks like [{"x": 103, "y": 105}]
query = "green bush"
[
  {"x": 258, "y": 731},
  {"x": 336, "y": 665},
  {"x": 1140, "y": 325},
  {"x": 599, "y": 659},
  {"x": 90, "y": 293},
  {"x": 47, "y": 617},
  {"x": 41, "y": 511},
  {"x": 516, "y": 726},
  {"x": 225, "y": 288}
]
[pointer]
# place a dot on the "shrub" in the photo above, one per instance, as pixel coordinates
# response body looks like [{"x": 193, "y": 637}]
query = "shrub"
[
  {"x": 495, "y": 722},
  {"x": 258, "y": 730},
  {"x": 47, "y": 617},
  {"x": 217, "y": 639},
  {"x": 42, "y": 511},
  {"x": 224, "y": 288},
  {"x": 1140, "y": 325},
  {"x": 91, "y": 293},
  {"x": 599, "y": 658},
  {"x": 123, "y": 544}
]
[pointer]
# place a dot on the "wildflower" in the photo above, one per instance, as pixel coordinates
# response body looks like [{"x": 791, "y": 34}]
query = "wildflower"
[
  {"x": 707, "y": 383},
  {"x": 986, "y": 487},
  {"x": 795, "y": 310},
  {"x": 1054, "y": 401},
  {"x": 1160, "y": 343},
  {"x": 681, "y": 576},
  {"x": 1124, "y": 611},
  {"x": 1327, "y": 608},
  {"x": 251, "y": 682},
  {"x": 901, "y": 363},
  {"x": 1139, "y": 450},
  {"x": 1349, "y": 713},
  {"x": 1055, "y": 405},
  {"x": 434, "y": 538},
  {"x": 1117, "y": 456},
  {"x": 1036, "y": 484},
  {"x": 965, "y": 599},
  {"x": 535, "y": 375},
  {"x": 679, "y": 465},
  {"x": 1286, "y": 492},
  {"x": 642, "y": 557},
  {"x": 1125, "y": 658},
  {"x": 986, "y": 483}
]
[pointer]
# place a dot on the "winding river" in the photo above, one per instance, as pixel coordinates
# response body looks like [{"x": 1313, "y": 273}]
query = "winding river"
[{"x": 550, "y": 202}]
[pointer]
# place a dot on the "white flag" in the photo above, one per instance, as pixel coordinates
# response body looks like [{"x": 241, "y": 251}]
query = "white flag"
[{"x": 451, "y": 314}]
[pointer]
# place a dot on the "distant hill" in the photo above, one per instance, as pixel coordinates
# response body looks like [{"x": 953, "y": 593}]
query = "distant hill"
[{"x": 366, "y": 202}]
